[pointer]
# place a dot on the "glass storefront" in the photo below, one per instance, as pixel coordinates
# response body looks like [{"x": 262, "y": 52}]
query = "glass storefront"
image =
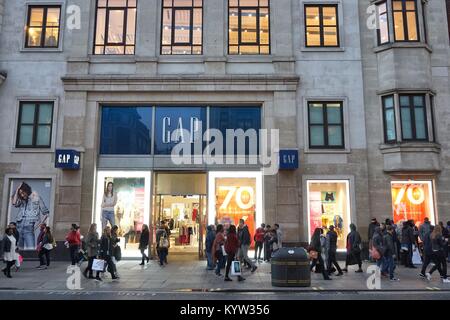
[
  {"x": 412, "y": 200},
  {"x": 329, "y": 204}
]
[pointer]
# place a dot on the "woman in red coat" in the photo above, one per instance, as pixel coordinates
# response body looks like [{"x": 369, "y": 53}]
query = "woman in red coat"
[
  {"x": 74, "y": 241},
  {"x": 231, "y": 247}
]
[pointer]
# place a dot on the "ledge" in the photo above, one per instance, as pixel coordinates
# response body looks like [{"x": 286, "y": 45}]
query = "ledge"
[
  {"x": 402, "y": 45},
  {"x": 411, "y": 147}
]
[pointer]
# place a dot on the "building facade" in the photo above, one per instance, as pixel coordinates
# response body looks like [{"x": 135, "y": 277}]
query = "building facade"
[{"x": 98, "y": 91}]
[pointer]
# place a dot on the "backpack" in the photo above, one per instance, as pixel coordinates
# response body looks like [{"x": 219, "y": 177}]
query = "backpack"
[{"x": 163, "y": 241}]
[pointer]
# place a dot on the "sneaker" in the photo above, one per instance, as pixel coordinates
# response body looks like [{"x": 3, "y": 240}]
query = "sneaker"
[
  {"x": 345, "y": 270},
  {"x": 254, "y": 269},
  {"x": 359, "y": 271},
  {"x": 422, "y": 275},
  {"x": 227, "y": 279},
  {"x": 394, "y": 279},
  {"x": 240, "y": 278},
  {"x": 445, "y": 280},
  {"x": 42, "y": 268},
  {"x": 98, "y": 279},
  {"x": 340, "y": 274},
  {"x": 428, "y": 275}
]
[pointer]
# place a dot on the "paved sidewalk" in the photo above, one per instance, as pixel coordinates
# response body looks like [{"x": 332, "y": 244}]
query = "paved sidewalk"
[{"x": 186, "y": 276}]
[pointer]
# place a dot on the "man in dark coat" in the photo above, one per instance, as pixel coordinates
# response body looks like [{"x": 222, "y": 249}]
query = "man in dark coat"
[
  {"x": 210, "y": 237},
  {"x": 245, "y": 241},
  {"x": 332, "y": 238},
  {"x": 389, "y": 252},
  {"x": 408, "y": 240}
]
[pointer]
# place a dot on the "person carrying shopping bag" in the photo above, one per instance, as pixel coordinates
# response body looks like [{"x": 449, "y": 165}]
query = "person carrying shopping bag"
[
  {"x": 231, "y": 247},
  {"x": 106, "y": 251},
  {"x": 47, "y": 247},
  {"x": 92, "y": 242}
]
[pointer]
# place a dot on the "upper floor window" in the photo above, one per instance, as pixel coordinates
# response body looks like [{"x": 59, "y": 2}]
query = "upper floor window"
[
  {"x": 249, "y": 27},
  {"x": 321, "y": 26},
  {"x": 182, "y": 27},
  {"x": 390, "y": 134},
  {"x": 43, "y": 25},
  {"x": 115, "y": 27},
  {"x": 383, "y": 24},
  {"x": 34, "y": 129},
  {"x": 406, "y": 26},
  {"x": 413, "y": 117},
  {"x": 326, "y": 125}
]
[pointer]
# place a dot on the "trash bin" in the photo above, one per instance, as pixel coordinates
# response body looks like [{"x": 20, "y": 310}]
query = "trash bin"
[{"x": 290, "y": 268}]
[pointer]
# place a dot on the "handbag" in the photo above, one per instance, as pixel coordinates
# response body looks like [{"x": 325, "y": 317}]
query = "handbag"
[
  {"x": 236, "y": 268},
  {"x": 117, "y": 253},
  {"x": 98, "y": 265},
  {"x": 18, "y": 261},
  {"x": 48, "y": 246},
  {"x": 313, "y": 254},
  {"x": 375, "y": 254},
  {"x": 163, "y": 242}
]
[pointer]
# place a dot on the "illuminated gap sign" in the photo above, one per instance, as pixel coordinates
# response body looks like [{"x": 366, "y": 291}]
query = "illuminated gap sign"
[
  {"x": 288, "y": 159},
  {"x": 67, "y": 159}
]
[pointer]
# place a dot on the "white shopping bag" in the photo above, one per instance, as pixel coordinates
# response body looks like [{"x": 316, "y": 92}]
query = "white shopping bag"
[
  {"x": 224, "y": 253},
  {"x": 416, "y": 257},
  {"x": 98, "y": 265},
  {"x": 236, "y": 268}
]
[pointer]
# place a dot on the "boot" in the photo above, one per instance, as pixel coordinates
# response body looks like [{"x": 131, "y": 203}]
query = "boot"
[
  {"x": 142, "y": 263},
  {"x": 241, "y": 278},
  {"x": 148, "y": 259}
]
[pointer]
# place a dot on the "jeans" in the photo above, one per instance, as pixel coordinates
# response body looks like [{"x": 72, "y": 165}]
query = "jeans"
[
  {"x": 162, "y": 253},
  {"x": 390, "y": 265},
  {"x": 47, "y": 257},
  {"x": 27, "y": 238},
  {"x": 332, "y": 260},
  {"x": 440, "y": 264},
  {"x": 74, "y": 249},
  {"x": 144, "y": 256},
  {"x": 258, "y": 246},
  {"x": 107, "y": 216},
  {"x": 381, "y": 264},
  {"x": 210, "y": 263},
  {"x": 111, "y": 267},
  {"x": 220, "y": 261},
  {"x": 243, "y": 255}
]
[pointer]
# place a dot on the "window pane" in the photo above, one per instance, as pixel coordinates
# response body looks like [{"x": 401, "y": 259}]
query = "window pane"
[
  {"x": 313, "y": 36},
  {"x": 334, "y": 113},
  {"x": 329, "y": 16},
  {"x": 182, "y": 26},
  {"x": 181, "y": 50},
  {"x": 421, "y": 131},
  {"x": 412, "y": 26},
  {"x": 51, "y": 37},
  {"x": 418, "y": 101},
  {"x": 53, "y": 17},
  {"x": 101, "y": 3},
  {"x": 129, "y": 50},
  {"x": 117, "y": 3},
  {"x": 264, "y": 3},
  {"x": 233, "y": 28},
  {"x": 248, "y": 24},
  {"x": 233, "y": 49},
  {"x": 233, "y": 3},
  {"x": 126, "y": 130},
  {"x": 388, "y": 102},
  {"x": 335, "y": 136},
  {"x": 131, "y": 26},
  {"x": 167, "y": 26},
  {"x": 100, "y": 33},
  {"x": 34, "y": 37},
  {"x": 168, "y": 3},
  {"x": 166, "y": 50},
  {"x": 28, "y": 110},
  {"x": 390, "y": 125},
  {"x": 312, "y": 16},
  {"x": 248, "y": 3},
  {"x": 37, "y": 17},
  {"x": 131, "y": 3},
  {"x": 404, "y": 101},
  {"x": 264, "y": 50},
  {"x": 398, "y": 22},
  {"x": 114, "y": 50},
  {"x": 406, "y": 123},
  {"x": 116, "y": 26},
  {"x": 196, "y": 50},
  {"x": 315, "y": 113},
  {"x": 99, "y": 50},
  {"x": 45, "y": 113},
  {"x": 26, "y": 135},
  {"x": 410, "y": 5},
  {"x": 43, "y": 135},
  {"x": 383, "y": 23},
  {"x": 264, "y": 26},
  {"x": 397, "y": 5},
  {"x": 330, "y": 36},
  {"x": 197, "y": 32},
  {"x": 249, "y": 50},
  {"x": 182, "y": 3},
  {"x": 316, "y": 136}
]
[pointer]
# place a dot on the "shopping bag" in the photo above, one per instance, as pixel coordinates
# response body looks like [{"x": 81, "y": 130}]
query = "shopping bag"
[
  {"x": 416, "y": 257},
  {"x": 224, "y": 253},
  {"x": 19, "y": 261},
  {"x": 236, "y": 268},
  {"x": 98, "y": 265}
]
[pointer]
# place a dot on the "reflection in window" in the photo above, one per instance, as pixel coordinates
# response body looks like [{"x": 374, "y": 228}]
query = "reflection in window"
[
  {"x": 326, "y": 125},
  {"x": 383, "y": 24},
  {"x": 126, "y": 130},
  {"x": 43, "y": 27},
  {"x": 321, "y": 26},
  {"x": 249, "y": 27},
  {"x": 35, "y": 125},
  {"x": 115, "y": 27},
  {"x": 413, "y": 117},
  {"x": 405, "y": 20},
  {"x": 182, "y": 27},
  {"x": 390, "y": 135}
]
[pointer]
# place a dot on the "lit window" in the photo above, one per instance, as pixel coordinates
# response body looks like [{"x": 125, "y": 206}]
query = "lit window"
[
  {"x": 405, "y": 20},
  {"x": 43, "y": 27},
  {"x": 321, "y": 26},
  {"x": 383, "y": 24}
]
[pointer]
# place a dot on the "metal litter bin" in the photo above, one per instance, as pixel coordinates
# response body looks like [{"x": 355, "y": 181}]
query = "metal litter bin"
[{"x": 290, "y": 268}]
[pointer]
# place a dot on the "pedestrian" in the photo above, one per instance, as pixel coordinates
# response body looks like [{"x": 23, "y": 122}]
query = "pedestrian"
[
  {"x": 332, "y": 248},
  {"x": 446, "y": 234},
  {"x": 39, "y": 245},
  {"x": 92, "y": 242},
  {"x": 143, "y": 243},
  {"x": 162, "y": 243},
  {"x": 440, "y": 263},
  {"x": 74, "y": 241},
  {"x": 267, "y": 247},
  {"x": 389, "y": 252},
  {"x": 47, "y": 245},
  {"x": 273, "y": 242},
  {"x": 353, "y": 249},
  {"x": 315, "y": 250},
  {"x": 279, "y": 235},
  {"x": 107, "y": 252},
  {"x": 15, "y": 232},
  {"x": 427, "y": 252},
  {"x": 424, "y": 228},
  {"x": 378, "y": 244},
  {"x": 231, "y": 247},
  {"x": 9, "y": 251},
  {"x": 245, "y": 242},
  {"x": 259, "y": 241},
  {"x": 217, "y": 252},
  {"x": 210, "y": 237},
  {"x": 373, "y": 224},
  {"x": 407, "y": 243},
  {"x": 117, "y": 252}
]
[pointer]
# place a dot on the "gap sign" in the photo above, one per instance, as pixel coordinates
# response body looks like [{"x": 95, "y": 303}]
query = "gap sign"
[
  {"x": 288, "y": 159},
  {"x": 67, "y": 159}
]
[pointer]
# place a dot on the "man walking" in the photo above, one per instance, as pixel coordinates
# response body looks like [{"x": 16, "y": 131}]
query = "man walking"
[
  {"x": 244, "y": 240},
  {"x": 259, "y": 241},
  {"x": 373, "y": 224},
  {"x": 427, "y": 252},
  {"x": 389, "y": 252},
  {"x": 332, "y": 248}
]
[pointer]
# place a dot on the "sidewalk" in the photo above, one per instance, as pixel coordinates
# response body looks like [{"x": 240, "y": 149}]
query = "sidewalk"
[{"x": 192, "y": 276}]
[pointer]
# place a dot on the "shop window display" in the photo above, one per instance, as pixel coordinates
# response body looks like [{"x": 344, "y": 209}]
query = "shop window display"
[{"x": 328, "y": 204}]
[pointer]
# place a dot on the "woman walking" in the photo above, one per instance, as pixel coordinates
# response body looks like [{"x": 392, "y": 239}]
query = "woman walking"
[
  {"x": 162, "y": 243},
  {"x": 106, "y": 252},
  {"x": 353, "y": 249},
  {"x": 143, "y": 243},
  {"x": 440, "y": 263},
  {"x": 315, "y": 250},
  {"x": 9, "y": 251},
  {"x": 47, "y": 247},
  {"x": 74, "y": 240},
  {"x": 231, "y": 247},
  {"x": 216, "y": 249},
  {"x": 92, "y": 242}
]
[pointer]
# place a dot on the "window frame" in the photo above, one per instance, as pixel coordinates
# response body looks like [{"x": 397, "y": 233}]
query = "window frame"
[
  {"x": 35, "y": 125},
  {"x": 387, "y": 22},
  {"x": 325, "y": 125},
  {"x": 173, "y": 24},
  {"x": 447, "y": 2},
  {"x": 411, "y": 108},
  {"x": 258, "y": 44},
  {"x": 321, "y": 25},
  {"x": 383, "y": 98},
  {"x": 404, "y": 12},
  {"x": 45, "y": 7},
  {"x": 106, "y": 42}
]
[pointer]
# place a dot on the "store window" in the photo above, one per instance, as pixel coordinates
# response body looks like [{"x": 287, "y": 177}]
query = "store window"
[
  {"x": 321, "y": 23},
  {"x": 245, "y": 118},
  {"x": 115, "y": 31},
  {"x": 329, "y": 205},
  {"x": 182, "y": 27},
  {"x": 175, "y": 125},
  {"x": 390, "y": 135},
  {"x": 413, "y": 117},
  {"x": 35, "y": 125},
  {"x": 412, "y": 200},
  {"x": 383, "y": 24},
  {"x": 249, "y": 27},
  {"x": 326, "y": 129},
  {"x": 405, "y": 20},
  {"x": 126, "y": 130},
  {"x": 43, "y": 26}
]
